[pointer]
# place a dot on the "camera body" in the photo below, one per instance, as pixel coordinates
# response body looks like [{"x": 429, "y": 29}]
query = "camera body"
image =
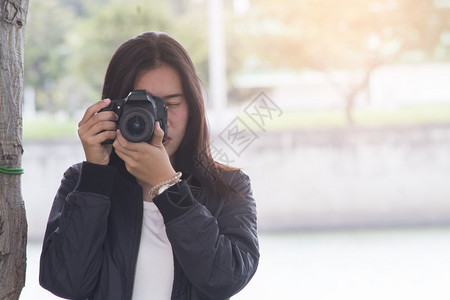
[{"x": 138, "y": 113}]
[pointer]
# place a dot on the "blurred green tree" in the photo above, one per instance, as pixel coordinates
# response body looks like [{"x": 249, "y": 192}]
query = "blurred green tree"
[
  {"x": 97, "y": 35},
  {"x": 46, "y": 53},
  {"x": 355, "y": 36},
  {"x": 70, "y": 43}
]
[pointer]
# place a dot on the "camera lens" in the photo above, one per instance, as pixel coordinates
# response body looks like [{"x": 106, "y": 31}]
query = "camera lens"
[{"x": 136, "y": 125}]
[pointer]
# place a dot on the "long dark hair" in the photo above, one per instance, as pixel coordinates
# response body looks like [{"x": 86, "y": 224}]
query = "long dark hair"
[{"x": 147, "y": 51}]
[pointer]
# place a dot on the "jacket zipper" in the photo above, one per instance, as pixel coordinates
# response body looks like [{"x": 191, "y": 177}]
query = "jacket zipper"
[
  {"x": 189, "y": 291},
  {"x": 138, "y": 242}
]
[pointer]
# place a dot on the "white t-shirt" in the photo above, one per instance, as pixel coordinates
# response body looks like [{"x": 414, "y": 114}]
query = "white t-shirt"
[{"x": 154, "y": 269}]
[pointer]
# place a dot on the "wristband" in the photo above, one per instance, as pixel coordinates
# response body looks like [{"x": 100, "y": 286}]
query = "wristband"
[{"x": 162, "y": 186}]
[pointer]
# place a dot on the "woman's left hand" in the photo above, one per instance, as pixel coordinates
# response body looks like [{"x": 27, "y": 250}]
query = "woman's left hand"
[{"x": 148, "y": 162}]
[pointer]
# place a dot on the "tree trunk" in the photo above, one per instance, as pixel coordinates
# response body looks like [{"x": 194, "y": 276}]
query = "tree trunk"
[
  {"x": 13, "y": 224},
  {"x": 349, "y": 100}
]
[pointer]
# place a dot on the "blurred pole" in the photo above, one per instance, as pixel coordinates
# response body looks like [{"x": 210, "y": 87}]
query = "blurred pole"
[{"x": 217, "y": 63}]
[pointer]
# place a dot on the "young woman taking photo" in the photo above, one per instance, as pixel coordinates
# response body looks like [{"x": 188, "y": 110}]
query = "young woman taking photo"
[{"x": 158, "y": 219}]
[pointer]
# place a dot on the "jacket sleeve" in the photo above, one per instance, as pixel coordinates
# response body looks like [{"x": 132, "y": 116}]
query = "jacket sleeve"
[
  {"x": 219, "y": 255},
  {"x": 72, "y": 249}
]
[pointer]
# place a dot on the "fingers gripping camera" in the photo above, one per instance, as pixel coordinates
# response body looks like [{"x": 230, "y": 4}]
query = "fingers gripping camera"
[{"x": 138, "y": 113}]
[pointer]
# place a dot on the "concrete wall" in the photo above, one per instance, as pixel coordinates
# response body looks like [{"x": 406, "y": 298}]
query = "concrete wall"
[
  {"x": 352, "y": 178},
  {"x": 304, "y": 179}
]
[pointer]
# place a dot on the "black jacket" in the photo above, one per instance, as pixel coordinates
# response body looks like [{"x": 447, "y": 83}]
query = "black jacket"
[{"x": 93, "y": 233}]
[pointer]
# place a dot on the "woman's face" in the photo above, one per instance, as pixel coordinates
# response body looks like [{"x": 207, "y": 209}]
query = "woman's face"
[{"x": 165, "y": 82}]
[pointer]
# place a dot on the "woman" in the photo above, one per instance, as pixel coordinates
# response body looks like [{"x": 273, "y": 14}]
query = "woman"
[{"x": 124, "y": 223}]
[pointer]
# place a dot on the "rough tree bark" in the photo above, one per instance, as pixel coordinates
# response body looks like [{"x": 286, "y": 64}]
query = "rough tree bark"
[{"x": 13, "y": 224}]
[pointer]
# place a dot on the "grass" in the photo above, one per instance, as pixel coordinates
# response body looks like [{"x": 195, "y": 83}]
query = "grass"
[
  {"x": 430, "y": 114},
  {"x": 44, "y": 129},
  {"x": 290, "y": 119},
  {"x": 335, "y": 118}
]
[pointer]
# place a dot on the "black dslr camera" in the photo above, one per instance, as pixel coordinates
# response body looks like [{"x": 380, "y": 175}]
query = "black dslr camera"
[{"x": 138, "y": 113}]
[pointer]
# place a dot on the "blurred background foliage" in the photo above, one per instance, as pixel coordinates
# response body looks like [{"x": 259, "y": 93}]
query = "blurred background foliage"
[
  {"x": 357, "y": 36},
  {"x": 69, "y": 43}
]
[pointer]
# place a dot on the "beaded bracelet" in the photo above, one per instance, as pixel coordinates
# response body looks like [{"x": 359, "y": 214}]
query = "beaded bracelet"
[{"x": 170, "y": 181}]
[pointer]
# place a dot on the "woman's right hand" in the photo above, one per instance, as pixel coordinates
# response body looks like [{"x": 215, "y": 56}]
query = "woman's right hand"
[{"x": 95, "y": 128}]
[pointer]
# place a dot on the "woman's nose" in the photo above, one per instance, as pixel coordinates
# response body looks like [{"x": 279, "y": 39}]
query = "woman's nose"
[{"x": 168, "y": 119}]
